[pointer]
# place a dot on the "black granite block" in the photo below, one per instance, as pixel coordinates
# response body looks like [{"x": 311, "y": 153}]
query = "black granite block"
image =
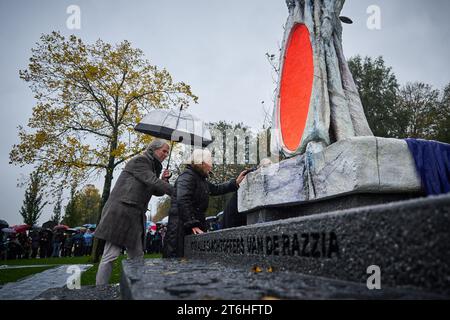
[
  {"x": 306, "y": 208},
  {"x": 409, "y": 241},
  {"x": 193, "y": 279}
]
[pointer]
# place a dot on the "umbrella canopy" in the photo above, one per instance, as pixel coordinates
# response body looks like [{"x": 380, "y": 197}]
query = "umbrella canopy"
[
  {"x": 70, "y": 230},
  {"x": 3, "y": 224},
  {"x": 61, "y": 227},
  {"x": 8, "y": 230},
  {"x": 49, "y": 225},
  {"x": 21, "y": 228},
  {"x": 177, "y": 126},
  {"x": 150, "y": 225},
  {"x": 346, "y": 20}
]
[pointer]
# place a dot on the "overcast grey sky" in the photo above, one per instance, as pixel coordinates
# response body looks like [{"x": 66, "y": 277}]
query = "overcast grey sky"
[{"x": 218, "y": 47}]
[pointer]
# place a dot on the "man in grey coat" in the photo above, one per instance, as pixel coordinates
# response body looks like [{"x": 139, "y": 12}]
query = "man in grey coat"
[{"x": 123, "y": 216}]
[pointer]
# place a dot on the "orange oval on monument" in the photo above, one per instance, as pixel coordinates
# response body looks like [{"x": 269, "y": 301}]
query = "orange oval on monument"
[{"x": 296, "y": 86}]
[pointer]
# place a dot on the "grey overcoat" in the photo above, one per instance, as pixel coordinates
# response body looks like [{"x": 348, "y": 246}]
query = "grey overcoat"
[{"x": 123, "y": 216}]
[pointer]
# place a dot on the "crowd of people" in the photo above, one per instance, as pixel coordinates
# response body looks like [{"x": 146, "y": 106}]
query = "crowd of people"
[
  {"x": 46, "y": 243},
  {"x": 154, "y": 239}
]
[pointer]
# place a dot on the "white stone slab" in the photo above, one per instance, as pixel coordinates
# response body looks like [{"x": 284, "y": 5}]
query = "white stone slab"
[{"x": 354, "y": 165}]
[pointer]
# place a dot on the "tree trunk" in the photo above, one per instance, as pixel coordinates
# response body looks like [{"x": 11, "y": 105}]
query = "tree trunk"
[{"x": 98, "y": 245}]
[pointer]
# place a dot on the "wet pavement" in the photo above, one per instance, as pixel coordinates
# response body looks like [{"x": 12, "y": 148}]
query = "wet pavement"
[
  {"x": 6, "y": 267},
  {"x": 197, "y": 280},
  {"x": 110, "y": 292},
  {"x": 32, "y": 286},
  {"x": 180, "y": 279}
]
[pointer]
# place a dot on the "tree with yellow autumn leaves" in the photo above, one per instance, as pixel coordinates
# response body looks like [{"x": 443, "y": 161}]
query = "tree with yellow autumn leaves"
[{"x": 89, "y": 98}]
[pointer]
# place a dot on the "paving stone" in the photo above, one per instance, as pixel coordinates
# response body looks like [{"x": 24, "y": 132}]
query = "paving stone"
[
  {"x": 191, "y": 279},
  {"x": 32, "y": 286},
  {"x": 110, "y": 292},
  {"x": 6, "y": 267}
]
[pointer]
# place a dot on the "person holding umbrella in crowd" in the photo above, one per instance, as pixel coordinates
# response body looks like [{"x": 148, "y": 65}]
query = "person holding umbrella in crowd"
[
  {"x": 123, "y": 218},
  {"x": 44, "y": 241},
  {"x": 25, "y": 244},
  {"x": 78, "y": 243},
  {"x": 58, "y": 240},
  {"x": 68, "y": 244},
  {"x": 88, "y": 242},
  {"x": 34, "y": 235}
]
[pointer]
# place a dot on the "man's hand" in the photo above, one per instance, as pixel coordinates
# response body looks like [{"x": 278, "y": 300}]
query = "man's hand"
[
  {"x": 197, "y": 230},
  {"x": 166, "y": 175}
]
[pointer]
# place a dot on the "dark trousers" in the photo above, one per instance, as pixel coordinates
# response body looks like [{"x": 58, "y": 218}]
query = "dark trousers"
[
  {"x": 67, "y": 251},
  {"x": 43, "y": 251},
  {"x": 174, "y": 239},
  {"x": 87, "y": 250},
  {"x": 34, "y": 252},
  {"x": 231, "y": 217}
]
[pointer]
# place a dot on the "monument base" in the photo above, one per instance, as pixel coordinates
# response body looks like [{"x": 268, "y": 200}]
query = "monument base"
[
  {"x": 192, "y": 279},
  {"x": 405, "y": 245},
  {"x": 362, "y": 166},
  {"x": 408, "y": 241},
  {"x": 325, "y": 205}
]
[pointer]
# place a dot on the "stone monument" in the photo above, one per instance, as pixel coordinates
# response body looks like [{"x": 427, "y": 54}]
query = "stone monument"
[
  {"x": 344, "y": 207},
  {"x": 320, "y": 125},
  {"x": 317, "y": 100}
]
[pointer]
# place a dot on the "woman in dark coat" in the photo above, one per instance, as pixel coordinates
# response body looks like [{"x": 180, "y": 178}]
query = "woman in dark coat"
[{"x": 190, "y": 201}]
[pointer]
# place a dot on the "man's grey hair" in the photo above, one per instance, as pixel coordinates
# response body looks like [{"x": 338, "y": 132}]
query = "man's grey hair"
[{"x": 156, "y": 144}]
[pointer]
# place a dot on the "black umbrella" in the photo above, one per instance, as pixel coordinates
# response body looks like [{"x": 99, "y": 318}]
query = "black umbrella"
[
  {"x": 49, "y": 225},
  {"x": 3, "y": 224},
  {"x": 345, "y": 19},
  {"x": 175, "y": 126},
  {"x": 8, "y": 230}
]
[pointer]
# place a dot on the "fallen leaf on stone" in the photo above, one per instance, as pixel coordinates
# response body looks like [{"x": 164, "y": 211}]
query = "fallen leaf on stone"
[
  {"x": 256, "y": 269},
  {"x": 269, "y": 298}
]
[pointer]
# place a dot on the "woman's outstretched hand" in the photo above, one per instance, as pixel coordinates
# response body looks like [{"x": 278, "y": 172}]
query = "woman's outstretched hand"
[
  {"x": 197, "y": 230},
  {"x": 241, "y": 177}
]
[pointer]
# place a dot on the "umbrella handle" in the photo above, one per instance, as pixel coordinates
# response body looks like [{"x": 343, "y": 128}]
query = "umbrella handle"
[
  {"x": 171, "y": 144},
  {"x": 170, "y": 155}
]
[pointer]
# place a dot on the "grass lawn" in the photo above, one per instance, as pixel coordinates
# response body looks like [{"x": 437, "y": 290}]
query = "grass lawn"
[
  {"x": 12, "y": 275},
  {"x": 87, "y": 278},
  {"x": 49, "y": 261}
]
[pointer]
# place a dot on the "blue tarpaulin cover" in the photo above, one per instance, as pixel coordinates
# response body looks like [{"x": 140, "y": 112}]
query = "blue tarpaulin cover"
[{"x": 432, "y": 160}]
